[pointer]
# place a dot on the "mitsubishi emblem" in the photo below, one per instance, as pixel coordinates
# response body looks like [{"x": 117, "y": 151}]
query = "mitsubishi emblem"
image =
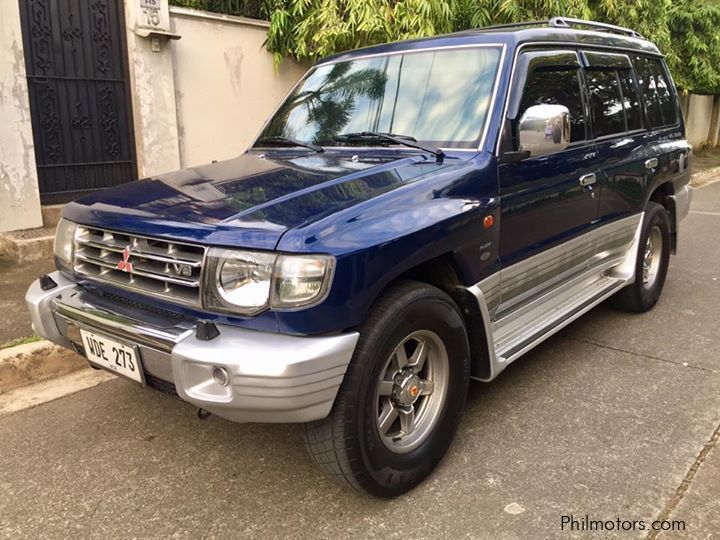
[{"x": 125, "y": 265}]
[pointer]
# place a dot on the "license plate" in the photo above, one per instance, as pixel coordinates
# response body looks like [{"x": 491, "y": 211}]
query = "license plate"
[{"x": 112, "y": 355}]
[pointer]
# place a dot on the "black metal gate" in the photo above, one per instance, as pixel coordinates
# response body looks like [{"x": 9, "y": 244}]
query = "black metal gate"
[{"x": 75, "y": 55}]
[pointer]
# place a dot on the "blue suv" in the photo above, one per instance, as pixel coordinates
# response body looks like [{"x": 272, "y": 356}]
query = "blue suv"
[{"x": 414, "y": 215}]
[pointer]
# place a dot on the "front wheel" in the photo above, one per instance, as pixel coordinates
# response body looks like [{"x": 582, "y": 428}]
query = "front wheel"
[
  {"x": 401, "y": 400},
  {"x": 651, "y": 265}
]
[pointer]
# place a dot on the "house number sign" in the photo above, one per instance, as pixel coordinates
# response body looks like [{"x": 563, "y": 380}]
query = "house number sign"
[
  {"x": 150, "y": 10},
  {"x": 153, "y": 15}
]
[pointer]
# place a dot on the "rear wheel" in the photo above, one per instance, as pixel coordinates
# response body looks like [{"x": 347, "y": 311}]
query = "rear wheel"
[
  {"x": 401, "y": 400},
  {"x": 652, "y": 263}
]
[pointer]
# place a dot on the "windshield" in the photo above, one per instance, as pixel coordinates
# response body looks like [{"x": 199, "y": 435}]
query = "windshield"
[{"x": 439, "y": 97}]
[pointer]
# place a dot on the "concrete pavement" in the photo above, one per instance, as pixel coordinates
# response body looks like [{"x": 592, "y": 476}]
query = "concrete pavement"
[
  {"x": 14, "y": 282},
  {"x": 615, "y": 417}
]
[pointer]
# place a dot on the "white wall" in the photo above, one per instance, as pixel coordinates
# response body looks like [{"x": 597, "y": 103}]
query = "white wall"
[
  {"x": 152, "y": 89},
  {"x": 19, "y": 193},
  {"x": 698, "y": 118},
  {"x": 225, "y": 83}
]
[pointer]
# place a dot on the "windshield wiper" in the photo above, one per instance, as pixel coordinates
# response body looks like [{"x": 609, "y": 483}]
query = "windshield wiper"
[
  {"x": 290, "y": 141},
  {"x": 405, "y": 140}
]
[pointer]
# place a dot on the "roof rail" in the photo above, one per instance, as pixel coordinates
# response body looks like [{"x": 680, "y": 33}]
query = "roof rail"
[
  {"x": 567, "y": 22},
  {"x": 512, "y": 25}
]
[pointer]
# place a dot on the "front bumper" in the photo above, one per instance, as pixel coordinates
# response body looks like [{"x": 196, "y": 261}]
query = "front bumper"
[{"x": 273, "y": 377}]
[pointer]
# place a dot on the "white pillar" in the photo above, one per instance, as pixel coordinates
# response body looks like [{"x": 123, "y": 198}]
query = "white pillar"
[
  {"x": 152, "y": 86},
  {"x": 19, "y": 192},
  {"x": 698, "y": 119}
]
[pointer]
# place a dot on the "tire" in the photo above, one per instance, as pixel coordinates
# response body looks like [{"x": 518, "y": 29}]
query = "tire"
[
  {"x": 352, "y": 444},
  {"x": 644, "y": 293}
]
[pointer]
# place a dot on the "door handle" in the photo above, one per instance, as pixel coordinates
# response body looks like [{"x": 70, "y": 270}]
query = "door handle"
[
  {"x": 651, "y": 163},
  {"x": 588, "y": 179}
]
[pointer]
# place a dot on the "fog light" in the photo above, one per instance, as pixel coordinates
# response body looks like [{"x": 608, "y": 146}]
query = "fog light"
[{"x": 220, "y": 376}]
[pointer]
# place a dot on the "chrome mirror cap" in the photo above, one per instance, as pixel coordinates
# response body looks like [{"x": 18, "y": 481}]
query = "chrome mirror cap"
[{"x": 544, "y": 129}]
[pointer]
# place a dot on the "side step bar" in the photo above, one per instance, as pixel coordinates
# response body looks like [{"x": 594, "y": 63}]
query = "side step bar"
[
  {"x": 517, "y": 333},
  {"x": 512, "y": 333}
]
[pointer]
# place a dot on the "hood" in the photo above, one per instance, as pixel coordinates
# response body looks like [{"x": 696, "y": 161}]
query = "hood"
[{"x": 251, "y": 200}]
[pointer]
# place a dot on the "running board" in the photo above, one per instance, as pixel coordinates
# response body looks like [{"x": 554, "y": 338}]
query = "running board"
[
  {"x": 514, "y": 333},
  {"x": 518, "y": 332}
]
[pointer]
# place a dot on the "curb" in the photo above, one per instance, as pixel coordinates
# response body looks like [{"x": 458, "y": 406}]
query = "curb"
[
  {"x": 30, "y": 363},
  {"x": 50, "y": 390},
  {"x": 25, "y": 250},
  {"x": 703, "y": 178},
  {"x": 8, "y": 353}
]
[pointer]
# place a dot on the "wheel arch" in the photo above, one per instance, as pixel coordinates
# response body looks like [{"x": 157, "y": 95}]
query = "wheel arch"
[
  {"x": 444, "y": 272},
  {"x": 663, "y": 194}
]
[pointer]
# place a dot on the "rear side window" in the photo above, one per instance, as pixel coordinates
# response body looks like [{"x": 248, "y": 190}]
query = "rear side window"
[
  {"x": 606, "y": 104},
  {"x": 631, "y": 99},
  {"x": 556, "y": 86},
  {"x": 655, "y": 87},
  {"x": 614, "y": 101}
]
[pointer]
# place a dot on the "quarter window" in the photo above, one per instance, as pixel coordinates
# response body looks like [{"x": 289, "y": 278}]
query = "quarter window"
[{"x": 659, "y": 100}]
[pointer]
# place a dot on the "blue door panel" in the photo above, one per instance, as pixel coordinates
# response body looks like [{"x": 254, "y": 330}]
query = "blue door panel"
[
  {"x": 622, "y": 184},
  {"x": 543, "y": 203}
]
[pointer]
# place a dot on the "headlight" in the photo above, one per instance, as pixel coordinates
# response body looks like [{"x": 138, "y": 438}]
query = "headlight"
[
  {"x": 238, "y": 281},
  {"x": 301, "y": 280},
  {"x": 248, "y": 282},
  {"x": 64, "y": 243}
]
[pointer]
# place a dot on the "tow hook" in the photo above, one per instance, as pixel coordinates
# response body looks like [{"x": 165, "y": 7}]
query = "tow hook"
[{"x": 202, "y": 414}]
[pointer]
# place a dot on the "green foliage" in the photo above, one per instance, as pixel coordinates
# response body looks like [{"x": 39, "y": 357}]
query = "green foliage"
[
  {"x": 688, "y": 31},
  {"x": 694, "y": 51},
  {"x": 309, "y": 29},
  {"x": 255, "y": 9}
]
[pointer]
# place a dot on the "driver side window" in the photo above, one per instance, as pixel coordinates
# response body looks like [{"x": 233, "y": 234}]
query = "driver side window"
[{"x": 556, "y": 86}]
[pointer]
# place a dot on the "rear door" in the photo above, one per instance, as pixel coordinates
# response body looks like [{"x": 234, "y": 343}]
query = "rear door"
[
  {"x": 546, "y": 211},
  {"x": 621, "y": 142},
  {"x": 665, "y": 138}
]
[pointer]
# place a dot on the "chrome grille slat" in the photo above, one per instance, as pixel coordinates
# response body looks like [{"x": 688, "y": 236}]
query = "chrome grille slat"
[
  {"x": 136, "y": 272},
  {"x": 144, "y": 254},
  {"x": 164, "y": 268}
]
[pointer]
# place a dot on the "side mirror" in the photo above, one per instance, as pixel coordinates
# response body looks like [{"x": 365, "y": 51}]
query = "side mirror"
[{"x": 544, "y": 129}]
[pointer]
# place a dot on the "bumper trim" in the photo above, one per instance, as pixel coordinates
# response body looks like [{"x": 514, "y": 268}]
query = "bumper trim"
[
  {"x": 73, "y": 308},
  {"x": 273, "y": 377},
  {"x": 682, "y": 200}
]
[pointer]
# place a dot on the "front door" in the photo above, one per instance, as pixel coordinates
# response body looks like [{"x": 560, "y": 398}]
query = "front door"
[
  {"x": 548, "y": 202},
  {"x": 79, "y": 95}
]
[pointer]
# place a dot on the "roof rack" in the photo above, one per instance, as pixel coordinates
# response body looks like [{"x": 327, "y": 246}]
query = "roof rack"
[
  {"x": 512, "y": 25},
  {"x": 567, "y": 22}
]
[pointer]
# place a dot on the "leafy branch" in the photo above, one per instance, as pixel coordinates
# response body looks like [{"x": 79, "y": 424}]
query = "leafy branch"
[{"x": 687, "y": 31}]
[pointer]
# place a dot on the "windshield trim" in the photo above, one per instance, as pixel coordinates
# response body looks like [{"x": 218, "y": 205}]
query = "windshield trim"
[
  {"x": 488, "y": 115},
  {"x": 350, "y": 149}
]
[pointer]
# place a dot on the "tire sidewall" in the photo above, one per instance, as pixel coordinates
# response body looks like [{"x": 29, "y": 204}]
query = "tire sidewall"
[
  {"x": 390, "y": 471},
  {"x": 656, "y": 216}
]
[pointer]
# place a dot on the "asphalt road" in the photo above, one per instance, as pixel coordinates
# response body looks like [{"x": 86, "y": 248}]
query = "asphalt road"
[{"x": 615, "y": 417}]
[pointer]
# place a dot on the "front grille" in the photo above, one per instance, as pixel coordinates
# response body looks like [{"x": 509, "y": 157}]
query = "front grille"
[
  {"x": 173, "y": 317},
  {"x": 148, "y": 265}
]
